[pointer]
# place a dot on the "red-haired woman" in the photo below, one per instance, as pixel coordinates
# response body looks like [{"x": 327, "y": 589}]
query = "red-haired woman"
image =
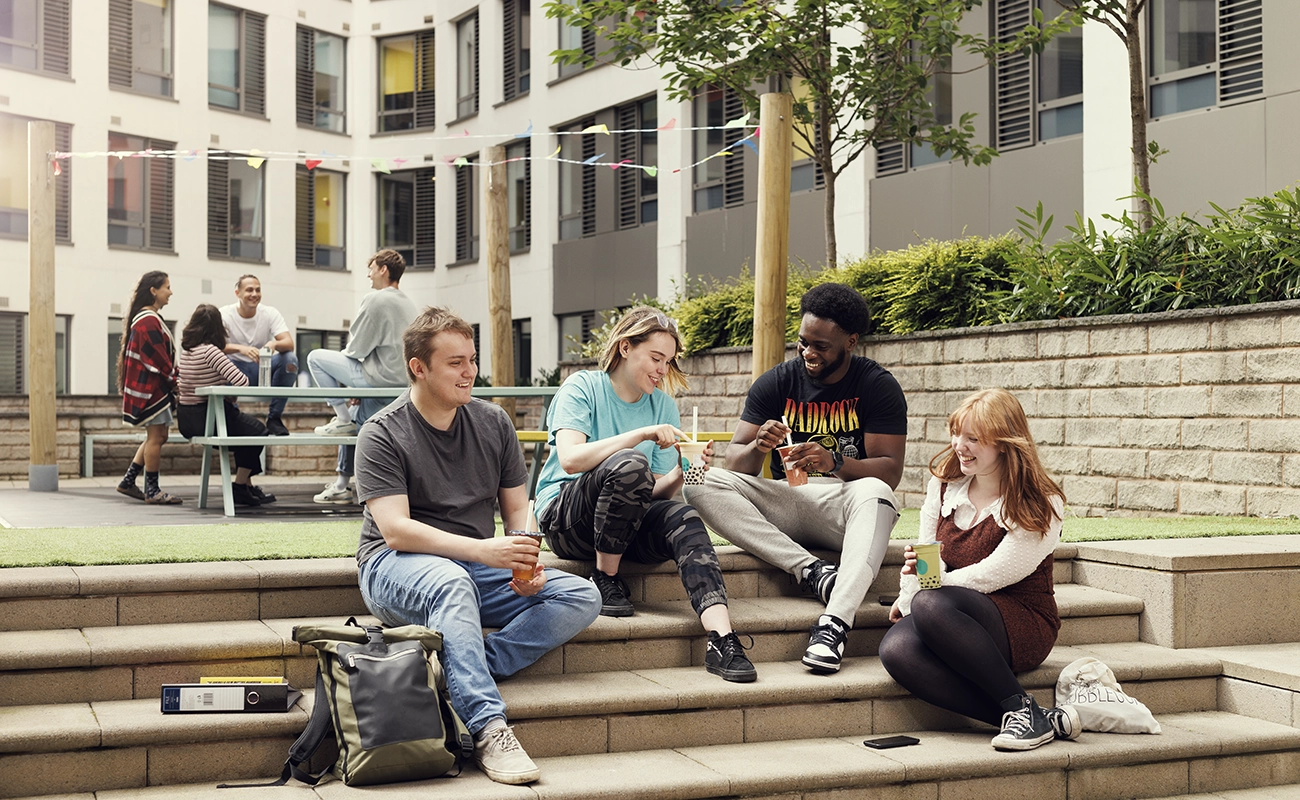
[{"x": 997, "y": 516}]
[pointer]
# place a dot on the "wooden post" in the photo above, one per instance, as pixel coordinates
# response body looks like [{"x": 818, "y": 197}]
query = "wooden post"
[
  {"x": 496, "y": 244},
  {"x": 43, "y": 463},
  {"x": 772, "y": 248}
]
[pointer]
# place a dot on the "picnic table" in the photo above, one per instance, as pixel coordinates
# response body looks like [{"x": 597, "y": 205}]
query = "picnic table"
[{"x": 215, "y": 434}]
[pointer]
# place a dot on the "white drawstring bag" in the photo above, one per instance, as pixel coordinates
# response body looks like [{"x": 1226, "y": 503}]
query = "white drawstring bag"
[{"x": 1090, "y": 686}]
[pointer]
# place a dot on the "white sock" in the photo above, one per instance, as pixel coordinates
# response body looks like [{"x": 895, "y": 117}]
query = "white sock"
[
  {"x": 493, "y": 724},
  {"x": 341, "y": 482},
  {"x": 341, "y": 411},
  {"x": 827, "y": 619}
]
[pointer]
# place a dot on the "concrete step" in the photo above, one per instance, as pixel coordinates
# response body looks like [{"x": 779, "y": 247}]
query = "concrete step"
[
  {"x": 124, "y": 662},
  {"x": 44, "y": 598},
  {"x": 1198, "y": 752},
  {"x": 574, "y": 715}
]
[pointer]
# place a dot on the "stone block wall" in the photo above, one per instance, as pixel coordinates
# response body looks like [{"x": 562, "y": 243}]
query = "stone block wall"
[
  {"x": 1192, "y": 412},
  {"x": 81, "y": 414}
]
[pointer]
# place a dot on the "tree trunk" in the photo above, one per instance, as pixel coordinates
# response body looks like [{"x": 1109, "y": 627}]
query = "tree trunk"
[
  {"x": 1138, "y": 113},
  {"x": 828, "y": 211}
]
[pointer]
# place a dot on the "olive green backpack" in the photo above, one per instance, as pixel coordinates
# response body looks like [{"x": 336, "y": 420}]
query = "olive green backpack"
[{"x": 384, "y": 693}]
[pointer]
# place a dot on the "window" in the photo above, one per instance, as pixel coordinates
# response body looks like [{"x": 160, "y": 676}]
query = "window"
[
  {"x": 1205, "y": 53},
  {"x": 575, "y": 38},
  {"x": 14, "y": 183},
  {"x": 518, "y": 33},
  {"x": 638, "y": 201},
  {"x": 35, "y": 35},
  {"x": 1040, "y": 97},
  {"x": 236, "y": 208},
  {"x": 140, "y": 194},
  {"x": 406, "y": 215},
  {"x": 236, "y": 59},
  {"x": 318, "y": 221},
  {"x": 575, "y": 331},
  {"x": 522, "y": 331},
  {"x": 894, "y": 157},
  {"x": 406, "y": 70},
  {"x": 577, "y": 182},
  {"x": 467, "y": 66},
  {"x": 140, "y": 45},
  {"x": 719, "y": 182},
  {"x": 805, "y": 172},
  {"x": 320, "y": 85},
  {"x": 519, "y": 183},
  {"x": 306, "y": 340},
  {"x": 14, "y": 366},
  {"x": 467, "y": 211}
]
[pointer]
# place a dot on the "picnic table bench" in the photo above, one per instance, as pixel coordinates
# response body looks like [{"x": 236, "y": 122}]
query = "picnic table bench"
[{"x": 217, "y": 436}]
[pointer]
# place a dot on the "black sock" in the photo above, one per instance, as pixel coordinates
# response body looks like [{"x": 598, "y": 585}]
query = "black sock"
[
  {"x": 151, "y": 484},
  {"x": 132, "y": 472}
]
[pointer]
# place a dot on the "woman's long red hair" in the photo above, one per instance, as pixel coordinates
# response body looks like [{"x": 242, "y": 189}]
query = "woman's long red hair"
[{"x": 996, "y": 417}]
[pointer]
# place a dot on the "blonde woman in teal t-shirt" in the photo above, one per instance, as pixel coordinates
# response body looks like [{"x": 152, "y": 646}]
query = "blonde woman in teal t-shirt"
[{"x": 606, "y": 491}]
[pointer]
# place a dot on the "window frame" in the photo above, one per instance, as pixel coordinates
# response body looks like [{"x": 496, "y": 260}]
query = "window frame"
[
  {"x": 158, "y": 212},
  {"x": 423, "y": 109},
  {"x": 308, "y": 112},
  {"x": 251, "y": 39},
  {"x": 467, "y": 104},
  {"x": 516, "y": 58},
  {"x": 22, "y": 353},
  {"x": 305, "y": 190},
  {"x": 467, "y": 213},
  {"x": 219, "y": 233},
  {"x": 732, "y": 178},
  {"x": 62, "y": 184},
  {"x": 523, "y": 232},
  {"x": 422, "y": 248},
  {"x": 583, "y": 184},
  {"x": 53, "y": 40}
]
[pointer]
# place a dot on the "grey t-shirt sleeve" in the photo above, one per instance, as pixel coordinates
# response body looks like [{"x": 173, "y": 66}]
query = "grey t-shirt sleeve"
[
  {"x": 513, "y": 472},
  {"x": 379, "y": 469}
]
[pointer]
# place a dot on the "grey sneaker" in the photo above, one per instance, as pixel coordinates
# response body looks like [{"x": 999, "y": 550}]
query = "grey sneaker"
[
  {"x": 499, "y": 754},
  {"x": 337, "y": 427},
  {"x": 1024, "y": 728},
  {"x": 1064, "y": 721}
]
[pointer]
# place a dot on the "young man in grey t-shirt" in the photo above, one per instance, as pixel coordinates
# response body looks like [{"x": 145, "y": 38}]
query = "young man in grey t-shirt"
[{"x": 429, "y": 468}]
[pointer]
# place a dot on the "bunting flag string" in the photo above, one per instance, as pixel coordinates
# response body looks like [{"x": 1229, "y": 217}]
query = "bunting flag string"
[{"x": 255, "y": 158}]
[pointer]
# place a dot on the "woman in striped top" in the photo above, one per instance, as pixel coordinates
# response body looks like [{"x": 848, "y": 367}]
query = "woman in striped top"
[{"x": 202, "y": 363}]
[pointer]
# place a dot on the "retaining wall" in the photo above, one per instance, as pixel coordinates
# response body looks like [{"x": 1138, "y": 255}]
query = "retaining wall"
[{"x": 1187, "y": 411}]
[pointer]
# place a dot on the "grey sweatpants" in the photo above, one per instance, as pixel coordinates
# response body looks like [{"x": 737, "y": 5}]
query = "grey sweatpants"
[{"x": 778, "y": 522}]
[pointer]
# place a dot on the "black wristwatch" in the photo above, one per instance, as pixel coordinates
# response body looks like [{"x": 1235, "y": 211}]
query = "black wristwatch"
[{"x": 839, "y": 462}]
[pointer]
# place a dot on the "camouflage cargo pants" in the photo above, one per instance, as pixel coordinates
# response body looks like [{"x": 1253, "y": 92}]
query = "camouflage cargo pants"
[{"x": 609, "y": 509}]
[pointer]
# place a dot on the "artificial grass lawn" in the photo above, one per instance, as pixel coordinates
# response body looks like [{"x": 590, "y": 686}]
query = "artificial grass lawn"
[{"x": 36, "y": 547}]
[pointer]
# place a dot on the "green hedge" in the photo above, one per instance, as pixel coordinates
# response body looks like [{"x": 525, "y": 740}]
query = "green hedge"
[{"x": 1249, "y": 254}]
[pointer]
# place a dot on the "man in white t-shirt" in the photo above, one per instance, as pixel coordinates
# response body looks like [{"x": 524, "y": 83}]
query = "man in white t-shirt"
[{"x": 251, "y": 326}]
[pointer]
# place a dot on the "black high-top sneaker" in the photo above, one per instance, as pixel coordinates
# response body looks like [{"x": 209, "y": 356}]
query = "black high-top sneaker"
[{"x": 1024, "y": 725}]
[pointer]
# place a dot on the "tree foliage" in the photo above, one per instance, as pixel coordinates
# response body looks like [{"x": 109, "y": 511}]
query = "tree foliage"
[{"x": 860, "y": 71}]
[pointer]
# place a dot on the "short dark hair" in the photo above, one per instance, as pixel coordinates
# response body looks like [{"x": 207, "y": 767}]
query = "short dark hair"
[
  {"x": 417, "y": 339},
  {"x": 239, "y": 284},
  {"x": 840, "y": 304},
  {"x": 205, "y": 327},
  {"x": 393, "y": 261}
]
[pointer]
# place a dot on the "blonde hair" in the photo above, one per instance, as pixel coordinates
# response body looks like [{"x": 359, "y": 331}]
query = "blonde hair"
[
  {"x": 997, "y": 418},
  {"x": 635, "y": 327}
]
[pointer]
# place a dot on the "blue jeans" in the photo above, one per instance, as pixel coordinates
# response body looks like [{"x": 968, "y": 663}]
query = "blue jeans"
[
  {"x": 459, "y": 599},
  {"x": 367, "y": 408},
  {"x": 281, "y": 375}
]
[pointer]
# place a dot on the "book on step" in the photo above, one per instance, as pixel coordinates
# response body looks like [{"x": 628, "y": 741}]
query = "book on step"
[{"x": 206, "y": 698}]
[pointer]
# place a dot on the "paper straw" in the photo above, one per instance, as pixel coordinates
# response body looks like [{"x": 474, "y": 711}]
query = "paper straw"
[
  {"x": 528, "y": 523},
  {"x": 788, "y": 441},
  {"x": 695, "y": 423}
]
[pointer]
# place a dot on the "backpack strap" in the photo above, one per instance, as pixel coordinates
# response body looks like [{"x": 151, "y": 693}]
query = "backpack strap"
[{"x": 301, "y": 751}]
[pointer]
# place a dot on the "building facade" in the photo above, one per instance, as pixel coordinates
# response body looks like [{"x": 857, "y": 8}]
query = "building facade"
[{"x": 308, "y": 135}]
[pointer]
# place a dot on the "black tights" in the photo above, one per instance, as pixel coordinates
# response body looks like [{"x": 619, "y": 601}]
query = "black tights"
[{"x": 952, "y": 652}]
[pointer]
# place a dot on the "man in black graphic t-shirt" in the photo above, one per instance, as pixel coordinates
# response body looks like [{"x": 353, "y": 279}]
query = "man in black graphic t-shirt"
[{"x": 848, "y": 419}]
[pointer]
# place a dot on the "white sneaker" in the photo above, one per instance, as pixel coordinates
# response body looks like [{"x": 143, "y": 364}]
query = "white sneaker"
[
  {"x": 500, "y": 755},
  {"x": 337, "y": 427},
  {"x": 334, "y": 496}
]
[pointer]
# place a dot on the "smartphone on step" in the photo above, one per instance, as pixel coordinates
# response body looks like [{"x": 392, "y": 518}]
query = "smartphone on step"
[{"x": 887, "y": 742}]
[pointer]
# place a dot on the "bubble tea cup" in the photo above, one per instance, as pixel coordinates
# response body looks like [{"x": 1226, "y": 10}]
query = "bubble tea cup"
[
  {"x": 527, "y": 574},
  {"x": 796, "y": 476},
  {"x": 928, "y": 572}
]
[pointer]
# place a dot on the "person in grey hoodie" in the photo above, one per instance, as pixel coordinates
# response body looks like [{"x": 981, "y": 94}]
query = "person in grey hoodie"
[{"x": 372, "y": 358}]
